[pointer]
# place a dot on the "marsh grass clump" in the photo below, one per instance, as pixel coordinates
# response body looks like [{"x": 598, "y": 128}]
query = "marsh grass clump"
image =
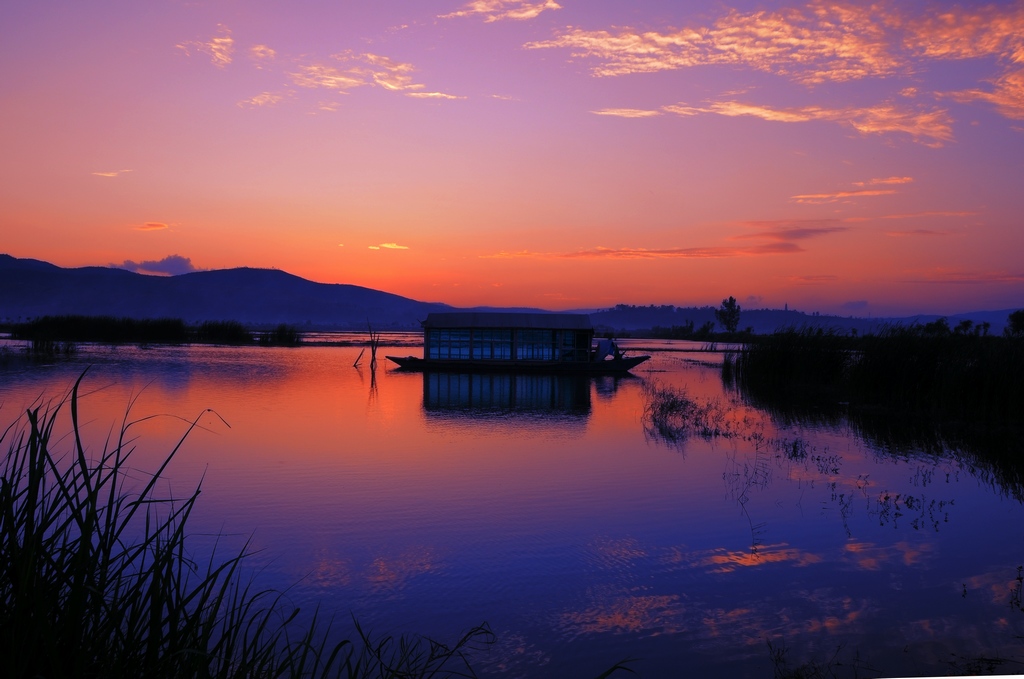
[
  {"x": 102, "y": 329},
  {"x": 671, "y": 415},
  {"x": 97, "y": 580}
]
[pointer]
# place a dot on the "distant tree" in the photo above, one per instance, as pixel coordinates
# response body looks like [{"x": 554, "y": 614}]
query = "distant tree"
[
  {"x": 728, "y": 315},
  {"x": 1015, "y": 324},
  {"x": 937, "y": 328},
  {"x": 963, "y": 327}
]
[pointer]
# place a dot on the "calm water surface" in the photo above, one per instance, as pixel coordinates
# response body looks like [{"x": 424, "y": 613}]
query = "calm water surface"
[{"x": 546, "y": 508}]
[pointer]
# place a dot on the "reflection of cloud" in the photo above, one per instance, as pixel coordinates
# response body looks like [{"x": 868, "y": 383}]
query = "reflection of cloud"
[
  {"x": 152, "y": 226},
  {"x": 931, "y": 127},
  {"x": 626, "y": 112},
  {"x": 726, "y": 562},
  {"x": 172, "y": 265},
  {"x": 219, "y": 47},
  {"x": 627, "y": 613},
  {"x": 394, "y": 573},
  {"x": 496, "y": 10}
]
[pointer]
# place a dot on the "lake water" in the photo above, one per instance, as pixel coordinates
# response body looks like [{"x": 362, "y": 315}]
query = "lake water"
[{"x": 547, "y": 509}]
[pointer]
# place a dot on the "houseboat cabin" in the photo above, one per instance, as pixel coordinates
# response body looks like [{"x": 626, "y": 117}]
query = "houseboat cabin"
[{"x": 478, "y": 340}]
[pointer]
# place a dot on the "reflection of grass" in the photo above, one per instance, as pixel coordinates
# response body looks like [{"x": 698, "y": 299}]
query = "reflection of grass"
[{"x": 671, "y": 415}]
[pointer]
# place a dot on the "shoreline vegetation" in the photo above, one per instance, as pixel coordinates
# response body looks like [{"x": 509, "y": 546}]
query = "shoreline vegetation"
[
  {"x": 98, "y": 579},
  {"x": 51, "y": 335}
]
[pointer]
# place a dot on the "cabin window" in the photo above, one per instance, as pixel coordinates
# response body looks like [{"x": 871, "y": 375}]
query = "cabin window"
[
  {"x": 492, "y": 344},
  {"x": 572, "y": 345},
  {"x": 535, "y": 345},
  {"x": 448, "y": 344}
]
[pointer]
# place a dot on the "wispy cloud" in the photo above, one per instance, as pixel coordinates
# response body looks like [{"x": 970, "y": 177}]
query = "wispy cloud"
[
  {"x": 826, "y": 41},
  {"x": 260, "y": 100},
  {"x": 818, "y": 198},
  {"x": 432, "y": 95},
  {"x": 262, "y": 55},
  {"x": 916, "y": 232},
  {"x": 886, "y": 180},
  {"x": 627, "y": 112},
  {"x": 365, "y": 69},
  {"x": 930, "y": 213},
  {"x": 112, "y": 173},
  {"x": 220, "y": 47},
  {"x": 172, "y": 265},
  {"x": 813, "y": 280},
  {"x": 388, "y": 246},
  {"x": 822, "y": 42},
  {"x": 1007, "y": 94},
  {"x": 152, "y": 226},
  {"x": 715, "y": 252},
  {"x": 496, "y": 10},
  {"x": 972, "y": 277},
  {"x": 931, "y": 127},
  {"x": 792, "y": 230}
]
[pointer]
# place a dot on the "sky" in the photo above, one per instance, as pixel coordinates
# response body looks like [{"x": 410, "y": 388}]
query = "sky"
[{"x": 855, "y": 158}]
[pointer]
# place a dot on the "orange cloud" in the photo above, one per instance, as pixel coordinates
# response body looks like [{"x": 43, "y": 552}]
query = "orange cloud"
[
  {"x": 666, "y": 253},
  {"x": 261, "y": 54},
  {"x": 496, "y": 10},
  {"x": 822, "y": 42},
  {"x": 818, "y": 198},
  {"x": 917, "y": 232},
  {"x": 152, "y": 226},
  {"x": 929, "y": 127},
  {"x": 220, "y": 47},
  {"x": 626, "y": 112},
  {"x": 887, "y": 180},
  {"x": 264, "y": 99},
  {"x": 1007, "y": 95},
  {"x": 114, "y": 173}
]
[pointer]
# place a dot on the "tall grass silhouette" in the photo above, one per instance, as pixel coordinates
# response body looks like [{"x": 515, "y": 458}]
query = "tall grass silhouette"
[{"x": 97, "y": 579}]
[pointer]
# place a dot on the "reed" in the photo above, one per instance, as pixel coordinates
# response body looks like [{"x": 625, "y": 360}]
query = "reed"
[
  {"x": 103, "y": 329},
  {"x": 672, "y": 416},
  {"x": 97, "y": 579}
]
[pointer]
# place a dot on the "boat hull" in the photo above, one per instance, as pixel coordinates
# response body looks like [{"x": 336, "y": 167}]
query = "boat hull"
[{"x": 610, "y": 367}]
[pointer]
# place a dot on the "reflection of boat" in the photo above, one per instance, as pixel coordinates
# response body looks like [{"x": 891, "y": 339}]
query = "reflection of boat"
[
  {"x": 494, "y": 393},
  {"x": 516, "y": 342}
]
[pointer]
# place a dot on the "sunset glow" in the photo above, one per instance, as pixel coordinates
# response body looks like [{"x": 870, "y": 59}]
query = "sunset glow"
[{"x": 564, "y": 155}]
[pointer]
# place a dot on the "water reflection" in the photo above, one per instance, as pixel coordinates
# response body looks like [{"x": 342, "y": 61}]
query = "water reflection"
[{"x": 481, "y": 394}]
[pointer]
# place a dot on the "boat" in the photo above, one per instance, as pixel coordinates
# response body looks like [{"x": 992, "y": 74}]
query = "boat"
[{"x": 516, "y": 342}]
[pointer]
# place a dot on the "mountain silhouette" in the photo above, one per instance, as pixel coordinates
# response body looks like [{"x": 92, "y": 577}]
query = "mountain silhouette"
[{"x": 30, "y": 288}]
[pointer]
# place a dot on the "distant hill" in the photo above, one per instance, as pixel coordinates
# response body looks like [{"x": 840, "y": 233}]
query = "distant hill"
[
  {"x": 630, "y": 318},
  {"x": 30, "y": 288}
]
